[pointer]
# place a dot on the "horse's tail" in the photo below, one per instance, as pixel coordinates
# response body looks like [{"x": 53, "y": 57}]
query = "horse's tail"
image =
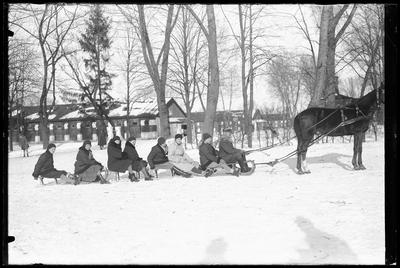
[{"x": 297, "y": 128}]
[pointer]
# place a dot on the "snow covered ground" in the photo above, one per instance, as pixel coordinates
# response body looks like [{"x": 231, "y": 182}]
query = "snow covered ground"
[{"x": 334, "y": 215}]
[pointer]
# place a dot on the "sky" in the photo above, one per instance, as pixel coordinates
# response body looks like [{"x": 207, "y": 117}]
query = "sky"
[{"x": 278, "y": 25}]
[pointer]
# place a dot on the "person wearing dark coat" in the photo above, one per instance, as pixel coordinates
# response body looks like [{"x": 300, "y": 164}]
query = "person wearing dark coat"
[
  {"x": 102, "y": 136},
  {"x": 118, "y": 160},
  {"x": 45, "y": 166},
  {"x": 138, "y": 164},
  {"x": 209, "y": 158},
  {"x": 158, "y": 155},
  {"x": 86, "y": 167},
  {"x": 23, "y": 143},
  {"x": 231, "y": 154}
]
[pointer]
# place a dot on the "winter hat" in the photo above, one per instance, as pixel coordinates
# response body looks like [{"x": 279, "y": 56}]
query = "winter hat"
[
  {"x": 178, "y": 136},
  {"x": 87, "y": 142},
  {"x": 131, "y": 138},
  {"x": 51, "y": 145},
  {"x": 206, "y": 136},
  {"x": 160, "y": 140}
]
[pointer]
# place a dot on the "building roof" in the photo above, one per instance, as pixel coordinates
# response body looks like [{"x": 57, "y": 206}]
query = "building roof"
[
  {"x": 67, "y": 112},
  {"x": 258, "y": 115}
]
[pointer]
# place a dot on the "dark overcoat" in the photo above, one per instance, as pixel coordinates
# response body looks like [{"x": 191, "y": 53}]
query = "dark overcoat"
[
  {"x": 102, "y": 136},
  {"x": 137, "y": 162},
  {"x": 117, "y": 160},
  {"x": 226, "y": 149},
  {"x": 156, "y": 156},
  {"x": 45, "y": 167},
  {"x": 84, "y": 160},
  {"x": 207, "y": 154},
  {"x": 23, "y": 142}
]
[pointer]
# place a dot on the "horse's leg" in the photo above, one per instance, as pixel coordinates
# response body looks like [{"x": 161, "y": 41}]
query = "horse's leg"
[
  {"x": 360, "y": 164},
  {"x": 355, "y": 150},
  {"x": 299, "y": 146},
  {"x": 304, "y": 154}
]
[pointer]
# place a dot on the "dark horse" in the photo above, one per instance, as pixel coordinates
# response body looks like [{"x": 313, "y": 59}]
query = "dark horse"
[{"x": 324, "y": 120}]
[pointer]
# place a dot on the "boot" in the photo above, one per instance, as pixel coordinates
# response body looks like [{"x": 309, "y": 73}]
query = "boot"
[
  {"x": 243, "y": 166},
  {"x": 236, "y": 171},
  {"x": 147, "y": 176},
  {"x": 132, "y": 177},
  {"x": 76, "y": 179}
]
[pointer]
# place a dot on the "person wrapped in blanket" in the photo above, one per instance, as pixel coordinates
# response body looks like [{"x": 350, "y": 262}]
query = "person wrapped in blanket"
[
  {"x": 209, "y": 158},
  {"x": 158, "y": 159},
  {"x": 44, "y": 168},
  {"x": 118, "y": 160},
  {"x": 86, "y": 167},
  {"x": 178, "y": 157}
]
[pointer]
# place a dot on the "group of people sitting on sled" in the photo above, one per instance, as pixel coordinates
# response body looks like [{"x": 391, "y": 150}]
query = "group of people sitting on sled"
[{"x": 161, "y": 156}]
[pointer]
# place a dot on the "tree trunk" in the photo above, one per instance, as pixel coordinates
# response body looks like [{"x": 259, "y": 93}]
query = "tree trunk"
[
  {"x": 163, "y": 113},
  {"x": 213, "y": 89},
  {"x": 321, "y": 72},
  {"x": 44, "y": 131},
  {"x": 329, "y": 90},
  {"x": 189, "y": 127},
  {"x": 251, "y": 77}
]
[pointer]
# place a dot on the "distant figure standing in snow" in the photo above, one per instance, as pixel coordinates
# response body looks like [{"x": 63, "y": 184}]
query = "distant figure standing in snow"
[
  {"x": 158, "y": 158},
  {"x": 117, "y": 160},
  {"x": 23, "y": 143},
  {"x": 45, "y": 167},
  {"x": 138, "y": 164},
  {"x": 178, "y": 157},
  {"x": 102, "y": 136},
  {"x": 229, "y": 153},
  {"x": 86, "y": 167},
  {"x": 209, "y": 158}
]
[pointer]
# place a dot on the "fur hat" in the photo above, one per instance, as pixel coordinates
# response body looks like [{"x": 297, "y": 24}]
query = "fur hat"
[
  {"x": 160, "y": 140},
  {"x": 178, "y": 136},
  {"x": 206, "y": 136}
]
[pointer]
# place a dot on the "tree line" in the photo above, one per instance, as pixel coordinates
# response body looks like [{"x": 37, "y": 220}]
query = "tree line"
[{"x": 182, "y": 49}]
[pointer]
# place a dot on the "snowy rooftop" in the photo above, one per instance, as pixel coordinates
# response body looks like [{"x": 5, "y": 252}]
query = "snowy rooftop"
[{"x": 143, "y": 107}]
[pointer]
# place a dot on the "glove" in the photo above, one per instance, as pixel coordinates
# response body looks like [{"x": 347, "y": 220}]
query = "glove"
[
  {"x": 35, "y": 178},
  {"x": 218, "y": 160},
  {"x": 152, "y": 167}
]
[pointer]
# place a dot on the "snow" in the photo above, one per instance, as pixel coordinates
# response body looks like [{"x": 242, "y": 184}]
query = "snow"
[{"x": 334, "y": 215}]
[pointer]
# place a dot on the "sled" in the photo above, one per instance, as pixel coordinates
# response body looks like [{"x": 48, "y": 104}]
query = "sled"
[{"x": 252, "y": 169}]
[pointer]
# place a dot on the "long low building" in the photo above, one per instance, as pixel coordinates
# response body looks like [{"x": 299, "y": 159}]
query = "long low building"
[{"x": 72, "y": 122}]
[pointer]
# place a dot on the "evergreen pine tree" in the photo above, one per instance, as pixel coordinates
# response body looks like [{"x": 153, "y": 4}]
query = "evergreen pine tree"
[{"x": 95, "y": 41}]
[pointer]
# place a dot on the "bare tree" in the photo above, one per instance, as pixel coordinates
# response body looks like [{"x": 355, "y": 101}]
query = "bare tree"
[
  {"x": 24, "y": 80},
  {"x": 186, "y": 67},
  {"x": 251, "y": 56},
  {"x": 49, "y": 25},
  {"x": 131, "y": 67},
  {"x": 213, "y": 69},
  {"x": 364, "y": 44},
  {"x": 285, "y": 79},
  {"x": 325, "y": 71}
]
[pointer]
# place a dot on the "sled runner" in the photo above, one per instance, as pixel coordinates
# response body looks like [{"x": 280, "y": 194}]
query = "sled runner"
[
  {"x": 252, "y": 168},
  {"x": 180, "y": 172}
]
